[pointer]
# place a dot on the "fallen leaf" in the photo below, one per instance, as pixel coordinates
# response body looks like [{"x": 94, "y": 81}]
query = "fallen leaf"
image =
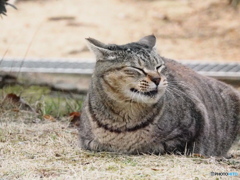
[
  {"x": 12, "y": 101},
  {"x": 198, "y": 155},
  {"x": 75, "y": 114},
  {"x": 13, "y": 97},
  {"x": 49, "y": 118},
  {"x": 16, "y": 110},
  {"x": 74, "y": 119}
]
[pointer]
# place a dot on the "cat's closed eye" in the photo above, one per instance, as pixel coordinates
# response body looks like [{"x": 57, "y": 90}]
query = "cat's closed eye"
[
  {"x": 160, "y": 67},
  {"x": 129, "y": 72},
  {"x": 132, "y": 71}
]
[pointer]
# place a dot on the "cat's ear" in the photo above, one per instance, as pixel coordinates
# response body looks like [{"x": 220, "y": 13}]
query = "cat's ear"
[
  {"x": 150, "y": 41},
  {"x": 98, "y": 48}
]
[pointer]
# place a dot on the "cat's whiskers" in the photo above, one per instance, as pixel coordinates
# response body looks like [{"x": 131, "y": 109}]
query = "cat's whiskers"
[
  {"x": 178, "y": 83},
  {"x": 171, "y": 95},
  {"x": 131, "y": 103},
  {"x": 168, "y": 92},
  {"x": 176, "y": 92}
]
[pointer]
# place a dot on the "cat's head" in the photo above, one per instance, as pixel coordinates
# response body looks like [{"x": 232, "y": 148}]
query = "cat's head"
[{"x": 130, "y": 72}]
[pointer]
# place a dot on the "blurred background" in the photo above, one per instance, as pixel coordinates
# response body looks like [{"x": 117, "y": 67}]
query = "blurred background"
[
  {"x": 199, "y": 31},
  {"x": 185, "y": 29}
]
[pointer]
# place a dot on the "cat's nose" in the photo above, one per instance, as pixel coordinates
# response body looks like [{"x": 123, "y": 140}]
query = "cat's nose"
[{"x": 156, "y": 80}]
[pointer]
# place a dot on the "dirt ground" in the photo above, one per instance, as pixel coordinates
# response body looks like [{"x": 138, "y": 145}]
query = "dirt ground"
[{"x": 185, "y": 29}]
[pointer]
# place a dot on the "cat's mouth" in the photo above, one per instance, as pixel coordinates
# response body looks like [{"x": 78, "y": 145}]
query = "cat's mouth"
[{"x": 148, "y": 93}]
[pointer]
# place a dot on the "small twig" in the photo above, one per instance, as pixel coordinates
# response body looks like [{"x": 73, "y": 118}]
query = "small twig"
[{"x": 29, "y": 45}]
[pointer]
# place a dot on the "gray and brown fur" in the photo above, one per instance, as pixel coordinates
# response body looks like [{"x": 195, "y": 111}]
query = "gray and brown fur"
[{"x": 139, "y": 102}]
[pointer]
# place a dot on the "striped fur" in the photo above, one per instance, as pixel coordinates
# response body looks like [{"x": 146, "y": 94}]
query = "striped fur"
[{"x": 140, "y": 102}]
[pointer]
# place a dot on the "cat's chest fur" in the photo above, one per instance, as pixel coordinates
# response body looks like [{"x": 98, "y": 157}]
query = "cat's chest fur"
[{"x": 128, "y": 141}]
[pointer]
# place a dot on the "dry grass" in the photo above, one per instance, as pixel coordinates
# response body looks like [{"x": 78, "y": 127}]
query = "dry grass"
[{"x": 34, "y": 149}]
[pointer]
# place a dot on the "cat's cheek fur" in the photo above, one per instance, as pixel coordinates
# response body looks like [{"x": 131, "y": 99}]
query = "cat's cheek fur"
[{"x": 117, "y": 86}]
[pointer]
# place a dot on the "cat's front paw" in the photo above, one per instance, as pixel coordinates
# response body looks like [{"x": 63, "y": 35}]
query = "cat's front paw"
[{"x": 93, "y": 145}]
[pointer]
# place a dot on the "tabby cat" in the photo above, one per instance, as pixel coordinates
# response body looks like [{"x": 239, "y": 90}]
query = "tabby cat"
[{"x": 140, "y": 102}]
